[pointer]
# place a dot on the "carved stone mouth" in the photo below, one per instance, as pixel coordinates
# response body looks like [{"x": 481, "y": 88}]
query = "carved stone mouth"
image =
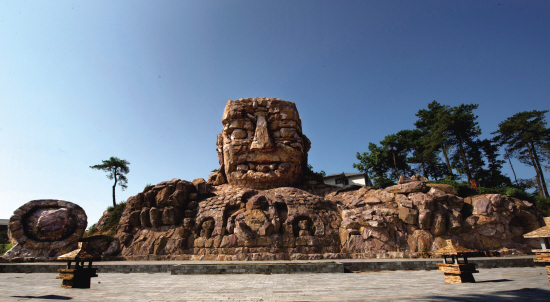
[{"x": 264, "y": 167}]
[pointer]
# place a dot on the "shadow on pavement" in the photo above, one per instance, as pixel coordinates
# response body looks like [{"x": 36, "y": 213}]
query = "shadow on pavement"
[
  {"x": 524, "y": 294},
  {"x": 491, "y": 281},
  {"x": 46, "y": 297}
]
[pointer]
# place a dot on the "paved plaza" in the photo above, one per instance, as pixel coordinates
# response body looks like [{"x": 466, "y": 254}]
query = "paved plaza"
[{"x": 498, "y": 284}]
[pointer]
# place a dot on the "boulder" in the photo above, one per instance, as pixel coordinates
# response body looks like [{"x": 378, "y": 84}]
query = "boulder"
[
  {"x": 439, "y": 225},
  {"x": 425, "y": 219},
  {"x": 408, "y": 215},
  {"x": 135, "y": 219},
  {"x": 482, "y": 206},
  {"x": 201, "y": 186},
  {"x": 410, "y": 187},
  {"x": 422, "y": 201},
  {"x": 171, "y": 216},
  {"x": 155, "y": 216},
  {"x": 443, "y": 187},
  {"x": 144, "y": 217},
  {"x": 163, "y": 195}
]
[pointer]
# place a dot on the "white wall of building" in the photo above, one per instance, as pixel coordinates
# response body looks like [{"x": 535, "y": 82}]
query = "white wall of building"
[{"x": 358, "y": 180}]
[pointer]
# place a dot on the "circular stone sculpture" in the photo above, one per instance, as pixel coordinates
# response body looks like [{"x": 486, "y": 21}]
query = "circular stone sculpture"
[{"x": 44, "y": 229}]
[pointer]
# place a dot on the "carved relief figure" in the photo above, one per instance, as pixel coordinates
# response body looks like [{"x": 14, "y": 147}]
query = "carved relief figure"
[{"x": 259, "y": 218}]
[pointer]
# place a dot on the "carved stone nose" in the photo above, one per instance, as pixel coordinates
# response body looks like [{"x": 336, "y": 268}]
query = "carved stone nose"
[{"x": 261, "y": 139}]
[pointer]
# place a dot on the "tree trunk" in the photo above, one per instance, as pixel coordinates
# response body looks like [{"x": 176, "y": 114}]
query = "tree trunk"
[
  {"x": 395, "y": 165},
  {"x": 114, "y": 186},
  {"x": 446, "y": 159},
  {"x": 515, "y": 178},
  {"x": 542, "y": 180},
  {"x": 421, "y": 162},
  {"x": 424, "y": 169},
  {"x": 464, "y": 160},
  {"x": 541, "y": 191}
]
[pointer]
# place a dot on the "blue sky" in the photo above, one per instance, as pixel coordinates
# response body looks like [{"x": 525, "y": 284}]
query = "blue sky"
[{"x": 147, "y": 81}]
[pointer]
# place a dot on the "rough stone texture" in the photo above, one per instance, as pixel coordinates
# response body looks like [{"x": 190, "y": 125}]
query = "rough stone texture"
[
  {"x": 261, "y": 145},
  {"x": 442, "y": 187},
  {"x": 235, "y": 223},
  {"x": 45, "y": 229}
]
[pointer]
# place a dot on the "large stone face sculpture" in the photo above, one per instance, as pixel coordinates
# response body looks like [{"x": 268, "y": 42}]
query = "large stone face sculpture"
[
  {"x": 45, "y": 229},
  {"x": 262, "y": 145},
  {"x": 257, "y": 208}
]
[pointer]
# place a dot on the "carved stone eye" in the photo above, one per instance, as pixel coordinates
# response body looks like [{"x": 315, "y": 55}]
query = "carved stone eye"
[
  {"x": 239, "y": 134},
  {"x": 288, "y": 132}
]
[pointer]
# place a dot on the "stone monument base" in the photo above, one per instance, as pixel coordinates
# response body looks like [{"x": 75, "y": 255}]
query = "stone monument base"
[{"x": 458, "y": 273}]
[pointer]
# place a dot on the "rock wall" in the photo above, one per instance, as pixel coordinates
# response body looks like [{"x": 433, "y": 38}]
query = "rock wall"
[
  {"x": 416, "y": 218},
  {"x": 184, "y": 220}
]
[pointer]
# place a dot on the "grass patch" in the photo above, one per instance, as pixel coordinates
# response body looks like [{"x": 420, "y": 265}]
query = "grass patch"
[
  {"x": 114, "y": 217},
  {"x": 5, "y": 247},
  {"x": 463, "y": 189},
  {"x": 92, "y": 229}
]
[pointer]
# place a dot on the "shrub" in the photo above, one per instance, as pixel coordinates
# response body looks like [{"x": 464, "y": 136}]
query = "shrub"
[
  {"x": 114, "y": 217},
  {"x": 92, "y": 229},
  {"x": 5, "y": 247},
  {"x": 543, "y": 204},
  {"x": 463, "y": 189},
  {"x": 517, "y": 193}
]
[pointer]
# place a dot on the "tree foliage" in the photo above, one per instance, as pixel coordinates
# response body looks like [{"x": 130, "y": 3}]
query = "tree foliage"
[
  {"x": 446, "y": 144},
  {"x": 375, "y": 164},
  {"x": 116, "y": 169},
  {"x": 526, "y": 137}
]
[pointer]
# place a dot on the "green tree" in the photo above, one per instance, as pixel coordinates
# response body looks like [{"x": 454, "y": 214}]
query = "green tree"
[
  {"x": 433, "y": 136},
  {"x": 526, "y": 137},
  {"x": 459, "y": 126},
  {"x": 427, "y": 159},
  {"x": 116, "y": 169},
  {"x": 397, "y": 146},
  {"x": 375, "y": 164},
  {"x": 489, "y": 174}
]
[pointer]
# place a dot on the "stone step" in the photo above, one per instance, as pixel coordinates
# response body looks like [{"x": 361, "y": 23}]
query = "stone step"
[{"x": 281, "y": 267}]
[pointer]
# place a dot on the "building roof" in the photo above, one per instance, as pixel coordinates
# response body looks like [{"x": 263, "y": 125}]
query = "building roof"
[
  {"x": 541, "y": 232},
  {"x": 452, "y": 249},
  {"x": 79, "y": 254},
  {"x": 345, "y": 174},
  {"x": 4, "y": 221}
]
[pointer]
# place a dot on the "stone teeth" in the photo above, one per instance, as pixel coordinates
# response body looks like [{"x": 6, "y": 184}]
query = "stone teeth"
[
  {"x": 262, "y": 168},
  {"x": 257, "y": 167}
]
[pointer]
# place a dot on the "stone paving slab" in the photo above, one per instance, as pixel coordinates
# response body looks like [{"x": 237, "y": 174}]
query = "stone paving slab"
[{"x": 500, "y": 284}]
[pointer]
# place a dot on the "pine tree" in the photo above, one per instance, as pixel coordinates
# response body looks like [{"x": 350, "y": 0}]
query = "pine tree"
[
  {"x": 117, "y": 168},
  {"x": 526, "y": 136}
]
